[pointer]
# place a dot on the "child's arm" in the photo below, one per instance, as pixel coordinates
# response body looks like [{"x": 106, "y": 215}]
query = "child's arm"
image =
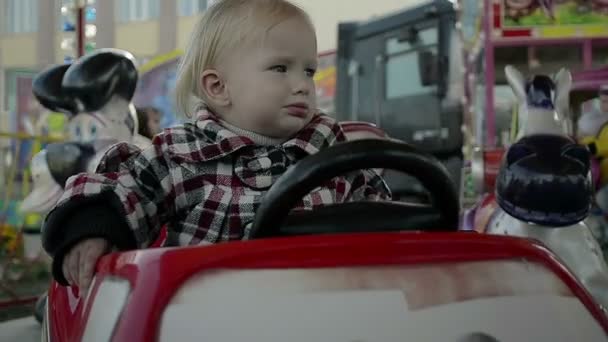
[
  {"x": 367, "y": 185},
  {"x": 126, "y": 203}
]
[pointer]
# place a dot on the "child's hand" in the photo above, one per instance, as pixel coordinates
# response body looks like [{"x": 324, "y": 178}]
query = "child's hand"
[{"x": 79, "y": 263}]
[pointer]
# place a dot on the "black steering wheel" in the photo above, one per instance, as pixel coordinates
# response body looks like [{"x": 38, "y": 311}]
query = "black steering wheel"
[{"x": 272, "y": 217}]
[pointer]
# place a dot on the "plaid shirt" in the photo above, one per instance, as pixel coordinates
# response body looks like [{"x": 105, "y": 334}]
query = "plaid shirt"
[{"x": 206, "y": 183}]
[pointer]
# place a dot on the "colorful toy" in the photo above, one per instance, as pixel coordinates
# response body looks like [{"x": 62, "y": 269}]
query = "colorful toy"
[{"x": 46, "y": 191}]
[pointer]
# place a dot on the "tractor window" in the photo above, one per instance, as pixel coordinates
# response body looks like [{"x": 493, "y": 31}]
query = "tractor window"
[
  {"x": 402, "y": 76},
  {"x": 403, "y": 63}
]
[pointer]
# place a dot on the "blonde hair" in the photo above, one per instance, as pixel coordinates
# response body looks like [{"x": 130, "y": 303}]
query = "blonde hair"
[{"x": 224, "y": 26}]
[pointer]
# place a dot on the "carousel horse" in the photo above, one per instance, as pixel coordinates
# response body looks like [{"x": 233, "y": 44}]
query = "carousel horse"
[
  {"x": 544, "y": 189},
  {"x": 95, "y": 92},
  {"x": 102, "y": 85},
  {"x": 46, "y": 190}
]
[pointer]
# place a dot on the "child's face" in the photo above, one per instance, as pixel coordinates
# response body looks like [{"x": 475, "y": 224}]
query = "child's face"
[
  {"x": 270, "y": 84},
  {"x": 154, "y": 121}
]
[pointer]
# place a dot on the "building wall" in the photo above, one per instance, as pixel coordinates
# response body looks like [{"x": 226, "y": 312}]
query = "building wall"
[
  {"x": 146, "y": 39},
  {"x": 184, "y": 29},
  {"x": 140, "y": 38},
  {"x": 19, "y": 50}
]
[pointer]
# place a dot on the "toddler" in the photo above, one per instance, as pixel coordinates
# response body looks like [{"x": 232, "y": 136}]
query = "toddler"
[{"x": 249, "y": 66}]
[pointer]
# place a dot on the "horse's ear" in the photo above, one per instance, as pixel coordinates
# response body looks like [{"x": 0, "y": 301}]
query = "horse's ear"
[
  {"x": 517, "y": 82},
  {"x": 563, "y": 85}
]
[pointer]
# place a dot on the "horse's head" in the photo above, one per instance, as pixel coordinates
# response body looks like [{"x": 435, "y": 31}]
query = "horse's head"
[
  {"x": 545, "y": 175},
  {"x": 96, "y": 93},
  {"x": 103, "y": 84},
  {"x": 47, "y": 89},
  {"x": 543, "y": 103}
]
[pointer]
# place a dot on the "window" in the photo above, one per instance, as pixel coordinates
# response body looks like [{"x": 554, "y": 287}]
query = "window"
[
  {"x": 67, "y": 16},
  {"x": 20, "y": 16},
  {"x": 190, "y": 7},
  {"x": 137, "y": 10},
  {"x": 402, "y": 62}
]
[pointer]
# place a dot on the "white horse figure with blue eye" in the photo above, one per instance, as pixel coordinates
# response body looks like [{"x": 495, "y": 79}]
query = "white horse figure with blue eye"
[{"x": 544, "y": 189}]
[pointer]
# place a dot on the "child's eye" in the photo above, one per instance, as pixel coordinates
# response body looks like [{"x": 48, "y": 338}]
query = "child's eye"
[
  {"x": 311, "y": 72},
  {"x": 279, "y": 68}
]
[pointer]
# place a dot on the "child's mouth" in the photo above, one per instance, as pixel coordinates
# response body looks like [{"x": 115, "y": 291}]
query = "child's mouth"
[{"x": 298, "y": 110}]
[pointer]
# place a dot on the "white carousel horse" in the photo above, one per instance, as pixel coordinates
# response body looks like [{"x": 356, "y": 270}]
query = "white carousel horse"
[
  {"x": 544, "y": 188},
  {"x": 96, "y": 93}
]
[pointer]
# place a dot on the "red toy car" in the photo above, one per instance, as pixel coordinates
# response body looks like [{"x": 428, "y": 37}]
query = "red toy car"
[{"x": 341, "y": 273}]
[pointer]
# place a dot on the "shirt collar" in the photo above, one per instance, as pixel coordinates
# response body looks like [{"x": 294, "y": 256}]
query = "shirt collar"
[{"x": 211, "y": 140}]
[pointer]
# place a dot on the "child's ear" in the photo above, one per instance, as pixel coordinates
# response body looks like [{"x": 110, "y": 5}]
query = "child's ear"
[{"x": 214, "y": 87}]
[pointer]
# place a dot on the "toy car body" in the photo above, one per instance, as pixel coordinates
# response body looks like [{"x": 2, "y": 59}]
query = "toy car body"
[{"x": 357, "y": 287}]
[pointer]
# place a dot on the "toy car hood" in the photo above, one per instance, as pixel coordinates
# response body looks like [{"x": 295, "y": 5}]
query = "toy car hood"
[{"x": 346, "y": 287}]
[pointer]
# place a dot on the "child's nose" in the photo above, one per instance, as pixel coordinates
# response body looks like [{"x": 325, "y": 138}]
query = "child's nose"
[{"x": 301, "y": 85}]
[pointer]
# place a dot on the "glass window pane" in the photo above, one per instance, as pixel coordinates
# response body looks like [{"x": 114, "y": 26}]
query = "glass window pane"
[
  {"x": 13, "y": 12},
  {"x": 20, "y": 16},
  {"x": 402, "y": 43},
  {"x": 400, "y": 68},
  {"x": 34, "y": 16},
  {"x": 182, "y": 7},
  {"x": 138, "y": 10},
  {"x": 8, "y": 14},
  {"x": 154, "y": 9},
  {"x": 122, "y": 10},
  {"x": 26, "y": 19},
  {"x": 395, "y": 45},
  {"x": 428, "y": 36},
  {"x": 191, "y": 7},
  {"x": 396, "y": 68}
]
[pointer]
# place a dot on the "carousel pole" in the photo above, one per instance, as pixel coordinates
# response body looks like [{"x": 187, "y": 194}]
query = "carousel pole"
[{"x": 80, "y": 7}]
